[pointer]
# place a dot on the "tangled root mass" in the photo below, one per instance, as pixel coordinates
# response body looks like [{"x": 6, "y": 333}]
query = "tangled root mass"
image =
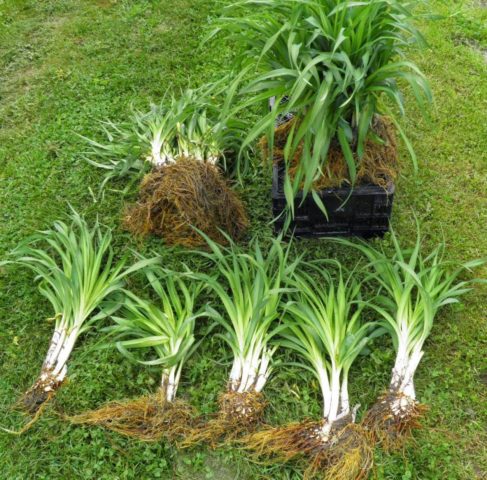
[
  {"x": 349, "y": 456},
  {"x": 392, "y": 419},
  {"x": 346, "y": 454},
  {"x": 148, "y": 418},
  {"x": 378, "y": 165},
  {"x": 238, "y": 413},
  {"x": 175, "y": 198}
]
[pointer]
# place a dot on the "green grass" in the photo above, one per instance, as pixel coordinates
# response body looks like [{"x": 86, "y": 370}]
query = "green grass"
[{"x": 65, "y": 64}]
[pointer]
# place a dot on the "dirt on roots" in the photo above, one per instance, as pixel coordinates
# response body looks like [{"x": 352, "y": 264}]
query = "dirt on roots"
[
  {"x": 378, "y": 165},
  {"x": 238, "y": 414},
  {"x": 148, "y": 418},
  {"x": 346, "y": 455},
  {"x": 189, "y": 193},
  {"x": 34, "y": 399},
  {"x": 349, "y": 456},
  {"x": 391, "y": 430}
]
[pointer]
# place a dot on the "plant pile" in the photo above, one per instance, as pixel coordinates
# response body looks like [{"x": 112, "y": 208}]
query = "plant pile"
[
  {"x": 77, "y": 274},
  {"x": 324, "y": 326},
  {"x": 195, "y": 124},
  {"x": 249, "y": 287},
  {"x": 327, "y": 66},
  {"x": 179, "y": 145},
  {"x": 262, "y": 300},
  {"x": 166, "y": 329}
]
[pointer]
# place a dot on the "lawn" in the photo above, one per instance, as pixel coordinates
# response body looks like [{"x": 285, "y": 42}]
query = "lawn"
[{"x": 66, "y": 64}]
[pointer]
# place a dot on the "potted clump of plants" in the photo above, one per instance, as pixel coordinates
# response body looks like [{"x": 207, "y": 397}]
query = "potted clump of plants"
[
  {"x": 332, "y": 72},
  {"x": 178, "y": 149}
]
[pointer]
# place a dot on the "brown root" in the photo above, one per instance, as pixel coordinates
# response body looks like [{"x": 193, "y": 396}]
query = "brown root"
[
  {"x": 392, "y": 419},
  {"x": 238, "y": 414},
  {"x": 349, "y": 456},
  {"x": 36, "y": 415},
  {"x": 190, "y": 193},
  {"x": 35, "y": 400},
  {"x": 285, "y": 443},
  {"x": 346, "y": 455},
  {"x": 148, "y": 418},
  {"x": 377, "y": 166},
  {"x": 40, "y": 393}
]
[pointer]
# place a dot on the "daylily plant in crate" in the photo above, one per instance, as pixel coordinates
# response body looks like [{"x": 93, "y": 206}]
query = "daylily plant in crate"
[{"x": 334, "y": 71}]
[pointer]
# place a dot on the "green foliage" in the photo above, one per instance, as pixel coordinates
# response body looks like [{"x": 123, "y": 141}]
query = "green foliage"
[
  {"x": 331, "y": 64},
  {"x": 195, "y": 124},
  {"x": 324, "y": 325},
  {"x": 76, "y": 271},
  {"x": 414, "y": 287},
  {"x": 249, "y": 286},
  {"x": 165, "y": 326}
]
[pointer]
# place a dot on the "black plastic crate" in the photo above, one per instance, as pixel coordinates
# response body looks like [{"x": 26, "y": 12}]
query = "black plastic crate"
[{"x": 365, "y": 214}]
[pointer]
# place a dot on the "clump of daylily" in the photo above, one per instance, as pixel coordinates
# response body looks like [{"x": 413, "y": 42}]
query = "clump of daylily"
[
  {"x": 414, "y": 287},
  {"x": 249, "y": 286},
  {"x": 330, "y": 69},
  {"x": 163, "y": 329},
  {"x": 325, "y": 327},
  {"x": 181, "y": 146},
  {"x": 76, "y": 270}
]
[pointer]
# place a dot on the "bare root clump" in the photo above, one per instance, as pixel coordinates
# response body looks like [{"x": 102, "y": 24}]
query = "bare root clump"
[
  {"x": 345, "y": 454},
  {"x": 238, "y": 414},
  {"x": 392, "y": 419},
  {"x": 175, "y": 198},
  {"x": 377, "y": 166},
  {"x": 148, "y": 418}
]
